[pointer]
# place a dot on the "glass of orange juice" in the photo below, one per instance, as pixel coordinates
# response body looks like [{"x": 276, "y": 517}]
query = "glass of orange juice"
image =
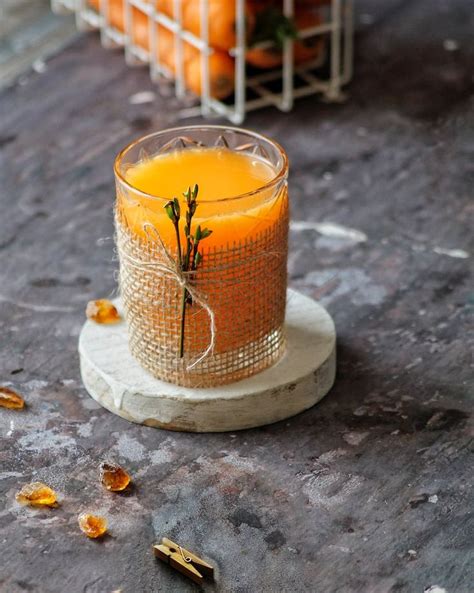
[{"x": 234, "y": 311}]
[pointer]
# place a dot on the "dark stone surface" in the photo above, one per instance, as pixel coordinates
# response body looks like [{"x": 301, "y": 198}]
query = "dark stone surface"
[{"x": 370, "y": 491}]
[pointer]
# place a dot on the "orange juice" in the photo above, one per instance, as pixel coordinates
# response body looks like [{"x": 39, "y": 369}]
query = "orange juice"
[
  {"x": 220, "y": 174},
  {"x": 233, "y": 323}
]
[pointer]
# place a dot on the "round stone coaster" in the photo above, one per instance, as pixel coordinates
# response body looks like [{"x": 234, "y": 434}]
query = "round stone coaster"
[{"x": 297, "y": 381}]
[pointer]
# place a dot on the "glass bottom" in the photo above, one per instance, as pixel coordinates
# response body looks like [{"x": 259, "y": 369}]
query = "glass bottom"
[{"x": 217, "y": 368}]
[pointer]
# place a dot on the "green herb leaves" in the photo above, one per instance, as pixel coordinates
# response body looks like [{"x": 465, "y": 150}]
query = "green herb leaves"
[{"x": 189, "y": 257}]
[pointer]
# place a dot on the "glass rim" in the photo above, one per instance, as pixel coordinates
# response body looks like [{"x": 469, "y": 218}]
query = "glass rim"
[{"x": 279, "y": 175}]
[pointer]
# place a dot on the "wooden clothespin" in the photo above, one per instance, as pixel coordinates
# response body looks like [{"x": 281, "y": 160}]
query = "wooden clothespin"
[{"x": 183, "y": 560}]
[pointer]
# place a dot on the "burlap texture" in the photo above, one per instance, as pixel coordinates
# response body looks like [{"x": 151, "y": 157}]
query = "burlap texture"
[{"x": 243, "y": 283}]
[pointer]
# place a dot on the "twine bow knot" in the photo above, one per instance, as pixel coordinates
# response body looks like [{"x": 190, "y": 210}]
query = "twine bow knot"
[{"x": 183, "y": 278}]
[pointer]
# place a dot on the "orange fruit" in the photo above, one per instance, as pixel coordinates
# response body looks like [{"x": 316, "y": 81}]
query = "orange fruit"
[
  {"x": 304, "y": 50},
  {"x": 222, "y": 21},
  {"x": 221, "y": 24},
  {"x": 221, "y": 74}
]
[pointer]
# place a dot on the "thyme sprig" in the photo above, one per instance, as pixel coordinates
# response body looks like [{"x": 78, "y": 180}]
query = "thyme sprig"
[{"x": 188, "y": 256}]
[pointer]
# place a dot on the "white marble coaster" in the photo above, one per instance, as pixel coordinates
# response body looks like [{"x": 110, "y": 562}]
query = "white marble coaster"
[{"x": 301, "y": 378}]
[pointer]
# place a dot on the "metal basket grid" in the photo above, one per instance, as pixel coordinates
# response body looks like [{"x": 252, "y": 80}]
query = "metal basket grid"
[{"x": 296, "y": 80}]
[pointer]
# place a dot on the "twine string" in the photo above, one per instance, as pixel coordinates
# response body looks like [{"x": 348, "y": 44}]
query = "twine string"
[{"x": 184, "y": 280}]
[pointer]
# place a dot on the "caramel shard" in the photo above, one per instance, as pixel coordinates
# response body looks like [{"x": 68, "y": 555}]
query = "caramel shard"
[
  {"x": 11, "y": 399},
  {"x": 37, "y": 494},
  {"x": 102, "y": 311},
  {"x": 113, "y": 477},
  {"x": 92, "y": 525}
]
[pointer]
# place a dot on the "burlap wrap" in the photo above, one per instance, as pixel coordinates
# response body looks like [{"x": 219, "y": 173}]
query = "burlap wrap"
[{"x": 243, "y": 284}]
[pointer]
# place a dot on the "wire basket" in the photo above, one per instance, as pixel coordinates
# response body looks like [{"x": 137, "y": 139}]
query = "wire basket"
[{"x": 326, "y": 75}]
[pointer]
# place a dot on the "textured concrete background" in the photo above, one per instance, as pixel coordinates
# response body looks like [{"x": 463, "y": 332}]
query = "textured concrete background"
[
  {"x": 370, "y": 491},
  {"x": 29, "y": 33}
]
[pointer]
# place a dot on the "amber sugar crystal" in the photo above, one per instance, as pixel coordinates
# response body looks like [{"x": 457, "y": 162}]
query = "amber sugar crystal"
[
  {"x": 113, "y": 477},
  {"x": 92, "y": 525},
  {"x": 11, "y": 399},
  {"x": 102, "y": 311},
  {"x": 37, "y": 494}
]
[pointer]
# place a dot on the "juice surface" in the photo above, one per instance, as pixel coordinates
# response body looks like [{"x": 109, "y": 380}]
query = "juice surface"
[{"x": 220, "y": 173}]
